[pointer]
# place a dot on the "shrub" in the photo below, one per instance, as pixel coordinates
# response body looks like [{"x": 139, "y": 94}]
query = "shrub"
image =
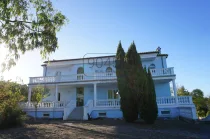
[
  {"x": 10, "y": 112},
  {"x": 11, "y": 116}
]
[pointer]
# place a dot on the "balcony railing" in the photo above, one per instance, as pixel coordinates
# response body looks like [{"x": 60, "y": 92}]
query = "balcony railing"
[
  {"x": 92, "y": 76},
  {"x": 109, "y": 103},
  {"x": 162, "y": 72},
  {"x": 52, "y": 104},
  {"x": 182, "y": 100}
]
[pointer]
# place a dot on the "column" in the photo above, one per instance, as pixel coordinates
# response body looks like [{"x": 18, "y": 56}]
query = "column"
[
  {"x": 175, "y": 90},
  {"x": 56, "y": 92},
  {"x": 29, "y": 94},
  {"x": 95, "y": 93}
]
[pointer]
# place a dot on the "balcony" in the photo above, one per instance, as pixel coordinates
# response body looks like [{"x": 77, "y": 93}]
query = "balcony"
[{"x": 93, "y": 76}]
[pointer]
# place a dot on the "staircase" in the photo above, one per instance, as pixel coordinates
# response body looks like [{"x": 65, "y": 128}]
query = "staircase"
[{"x": 76, "y": 114}]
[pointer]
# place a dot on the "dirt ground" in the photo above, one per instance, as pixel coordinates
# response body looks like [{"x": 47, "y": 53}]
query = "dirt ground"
[{"x": 107, "y": 128}]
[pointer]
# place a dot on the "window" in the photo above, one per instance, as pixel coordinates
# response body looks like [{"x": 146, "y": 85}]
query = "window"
[
  {"x": 80, "y": 72},
  {"x": 113, "y": 94},
  {"x": 58, "y": 73},
  {"x": 102, "y": 114},
  {"x": 109, "y": 71},
  {"x": 152, "y": 66},
  {"x": 165, "y": 112},
  {"x": 46, "y": 114},
  {"x": 59, "y": 96}
]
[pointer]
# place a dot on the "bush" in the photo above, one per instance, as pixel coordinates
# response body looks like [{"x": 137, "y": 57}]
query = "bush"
[
  {"x": 10, "y": 112},
  {"x": 11, "y": 116}
]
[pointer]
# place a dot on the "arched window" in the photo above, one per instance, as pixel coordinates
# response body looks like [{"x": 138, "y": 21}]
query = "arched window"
[
  {"x": 80, "y": 72},
  {"x": 108, "y": 71},
  {"x": 152, "y": 66}
]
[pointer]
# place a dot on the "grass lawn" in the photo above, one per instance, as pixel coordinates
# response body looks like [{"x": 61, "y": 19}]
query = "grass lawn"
[{"x": 107, "y": 128}]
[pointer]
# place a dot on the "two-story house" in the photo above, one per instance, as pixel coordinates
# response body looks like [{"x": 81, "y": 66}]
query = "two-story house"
[{"x": 88, "y": 85}]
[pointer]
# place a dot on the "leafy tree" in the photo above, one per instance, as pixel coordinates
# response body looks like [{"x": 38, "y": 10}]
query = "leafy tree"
[
  {"x": 14, "y": 87},
  {"x": 197, "y": 93},
  {"x": 27, "y": 25},
  {"x": 38, "y": 93},
  {"x": 200, "y": 102},
  {"x": 181, "y": 91}
]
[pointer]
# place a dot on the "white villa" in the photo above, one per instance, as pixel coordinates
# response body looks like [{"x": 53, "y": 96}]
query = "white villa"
[{"x": 88, "y": 86}]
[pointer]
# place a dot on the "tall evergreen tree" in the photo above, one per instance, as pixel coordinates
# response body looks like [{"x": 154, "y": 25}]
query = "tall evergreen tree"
[
  {"x": 134, "y": 72},
  {"x": 151, "y": 111},
  {"x": 121, "y": 81},
  {"x": 144, "y": 97}
]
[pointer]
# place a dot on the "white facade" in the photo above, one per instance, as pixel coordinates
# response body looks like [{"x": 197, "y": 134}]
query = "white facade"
[{"x": 91, "y": 83}]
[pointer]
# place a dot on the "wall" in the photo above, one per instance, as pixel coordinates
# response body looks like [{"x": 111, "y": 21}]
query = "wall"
[
  {"x": 55, "y": 114},
  {"x": 174, "y": 112},
  {"x": 109, "y": 113},
  {"x": 162, "y": 89},
  {"x": 67, "y": 93}
]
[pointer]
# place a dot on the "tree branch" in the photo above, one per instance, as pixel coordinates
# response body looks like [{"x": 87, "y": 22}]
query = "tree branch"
[{"x": 18, "y": 21}]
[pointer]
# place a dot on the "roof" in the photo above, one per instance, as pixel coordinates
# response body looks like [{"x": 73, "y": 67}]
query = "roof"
[{"x": 62, "y": 60}]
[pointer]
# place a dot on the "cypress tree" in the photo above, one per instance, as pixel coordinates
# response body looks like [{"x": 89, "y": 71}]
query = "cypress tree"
[
  {"x": 134, "y": 72},
  {"x": 144, "y": 97},
  {"x": 120, "y": 56},
  {"x": 151, "y": 111},
  {"x": 121, "y": 82}
]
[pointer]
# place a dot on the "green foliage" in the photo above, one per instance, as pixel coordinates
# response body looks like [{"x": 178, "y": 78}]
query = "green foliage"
[
  {"x": 197, "y": 93},
  {"x": 181, "y": 91},
  {"x": 10, "y": 112},
  {"x": 27, "y": 25},
  {"x": 134, "y": 86},
  {"x": 38, "y": 93},
  {"x": 202, "y": 103},
  {"x": 151, "y": 105}
]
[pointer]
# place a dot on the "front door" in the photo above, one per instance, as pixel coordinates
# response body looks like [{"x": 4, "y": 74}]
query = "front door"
[{"x": 80, "y": 96}]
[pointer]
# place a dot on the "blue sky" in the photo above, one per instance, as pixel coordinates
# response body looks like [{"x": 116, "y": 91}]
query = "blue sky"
[{"x": 180, "y": 28}]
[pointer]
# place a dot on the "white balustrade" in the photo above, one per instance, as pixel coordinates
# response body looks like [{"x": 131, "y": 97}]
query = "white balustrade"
[
  {"x": 57, "y": 104},
  {"x": 93, "y": 76},
  {"x": 185, "y": 99},
  {"x": 108, "y": 103},
  {"x": 162, "y": 72},
  {"x": 165, "y": 100}
]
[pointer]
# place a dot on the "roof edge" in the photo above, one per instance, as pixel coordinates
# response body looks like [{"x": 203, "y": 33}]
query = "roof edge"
[{"x": 150, "y": 52}]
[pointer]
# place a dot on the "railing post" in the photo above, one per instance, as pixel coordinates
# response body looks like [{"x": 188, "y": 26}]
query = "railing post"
[{"x": 190, "y": 97}]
